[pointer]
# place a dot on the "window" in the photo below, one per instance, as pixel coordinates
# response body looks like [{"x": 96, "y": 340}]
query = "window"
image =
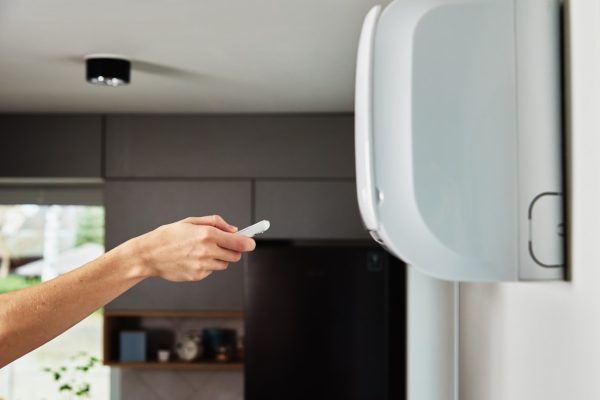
[{"x": 37, "y": 243}]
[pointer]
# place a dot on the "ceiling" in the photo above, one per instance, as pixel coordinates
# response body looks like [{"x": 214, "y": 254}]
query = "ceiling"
[{"x": 189, "y": 56}]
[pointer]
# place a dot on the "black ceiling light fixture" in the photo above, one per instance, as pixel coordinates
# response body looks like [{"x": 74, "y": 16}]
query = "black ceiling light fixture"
[{"x": 107, "y": 70}]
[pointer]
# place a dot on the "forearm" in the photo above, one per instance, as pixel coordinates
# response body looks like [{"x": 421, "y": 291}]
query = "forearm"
[
  {"x": 30, "y": 317},
  {"x": 187, "y": 250}
]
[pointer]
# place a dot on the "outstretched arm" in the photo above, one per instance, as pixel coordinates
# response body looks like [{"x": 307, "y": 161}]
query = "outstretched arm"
[{"x": 187, "y": 250}]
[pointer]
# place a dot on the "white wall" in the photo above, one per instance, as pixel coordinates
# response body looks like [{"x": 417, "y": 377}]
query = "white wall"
[{"x": 529, "y": 341}]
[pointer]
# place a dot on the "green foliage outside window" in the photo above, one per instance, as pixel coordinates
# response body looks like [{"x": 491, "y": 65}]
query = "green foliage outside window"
[
  {"x": 90, "y": 227},
  {"x": 16, "y": 282},
  {"x": 72, "y": 380}
]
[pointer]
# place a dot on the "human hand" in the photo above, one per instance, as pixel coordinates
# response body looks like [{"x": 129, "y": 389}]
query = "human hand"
[{"x": 190, "y": 249}]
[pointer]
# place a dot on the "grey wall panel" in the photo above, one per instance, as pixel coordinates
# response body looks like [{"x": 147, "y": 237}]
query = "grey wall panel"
[
  {"x": 50, "y": 146},
  {"x": 309, "y": 209},
  {"x": 319, "y": 146},
  {"x": 133, "y": 208}
]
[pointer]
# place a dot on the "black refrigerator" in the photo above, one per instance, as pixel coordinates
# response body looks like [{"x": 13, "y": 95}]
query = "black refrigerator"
[{"x": 324, "y": 322}]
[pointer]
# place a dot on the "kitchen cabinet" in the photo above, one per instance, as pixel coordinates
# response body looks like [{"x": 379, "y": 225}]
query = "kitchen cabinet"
[
  {"x": 324, "y": 209},
  {"x": 252, "y": 146},
  {"x": 135, "y": 207},
  {"x": 51, "y": 146}
]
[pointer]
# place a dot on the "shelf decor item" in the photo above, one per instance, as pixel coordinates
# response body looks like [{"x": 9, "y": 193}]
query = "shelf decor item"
[
  {"x": 224, "y": 354},
  {"x": 132, "y": 346},
  {"x": 163, "y": 355},
  {"x": 189, "y": 347},
  {"x": 241, "y": 351},
  {"x": 215, "y": 338}
]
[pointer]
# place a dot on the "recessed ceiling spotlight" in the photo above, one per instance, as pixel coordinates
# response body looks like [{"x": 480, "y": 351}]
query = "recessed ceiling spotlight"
[{"x": 107, "y": 70}]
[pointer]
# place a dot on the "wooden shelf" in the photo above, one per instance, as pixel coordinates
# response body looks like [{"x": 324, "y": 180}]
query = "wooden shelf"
[
  {"x": 207, "y": 365},
  {"x": 118, "y": 320},
  {"x": 173, "y": 314}
]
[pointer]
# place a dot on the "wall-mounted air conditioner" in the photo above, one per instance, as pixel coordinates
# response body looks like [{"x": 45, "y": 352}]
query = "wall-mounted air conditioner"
[{"x": 459, "y": 136}]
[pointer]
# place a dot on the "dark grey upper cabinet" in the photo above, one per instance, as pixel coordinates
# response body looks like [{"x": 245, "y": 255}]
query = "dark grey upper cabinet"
[
  {"x": 51, "y": 146},
  {"x": 136, "y": 207},
  {"x": 309, "y": 210},
  {"x": 305, "y": 146},
  {"x": 133, "y": 208}
]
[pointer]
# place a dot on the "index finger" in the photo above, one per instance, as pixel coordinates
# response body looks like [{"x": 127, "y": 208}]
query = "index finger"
[
  {"x": 213, "y": 220},
  {"x": 235, "y": 242}
]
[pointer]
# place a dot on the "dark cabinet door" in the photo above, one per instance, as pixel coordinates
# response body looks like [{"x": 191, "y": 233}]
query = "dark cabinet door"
[
  {"x": 51, "y": 146},
  {"x": 133, "y": 208},
  {"x": 270, "y": 146},
  {"x": 309, "y": 209},
  {"x": 318, "y": 320}
]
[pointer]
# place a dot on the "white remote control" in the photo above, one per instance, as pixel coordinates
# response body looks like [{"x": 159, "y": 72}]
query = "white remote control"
[{"x": 255, "y": 229}]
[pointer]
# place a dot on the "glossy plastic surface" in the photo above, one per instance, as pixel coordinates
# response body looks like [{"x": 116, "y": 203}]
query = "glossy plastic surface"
[
  {"x": 363, "y": 110},
  {"x": 465, "y": 133},
  {"x": 256, "y": 229}
]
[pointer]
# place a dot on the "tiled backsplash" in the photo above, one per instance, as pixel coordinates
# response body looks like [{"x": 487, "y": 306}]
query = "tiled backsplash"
[{"x": 181, "y": 385}]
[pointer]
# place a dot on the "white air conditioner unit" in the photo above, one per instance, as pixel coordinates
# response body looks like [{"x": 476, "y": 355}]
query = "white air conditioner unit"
[{"x": 459, "y": 136}]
